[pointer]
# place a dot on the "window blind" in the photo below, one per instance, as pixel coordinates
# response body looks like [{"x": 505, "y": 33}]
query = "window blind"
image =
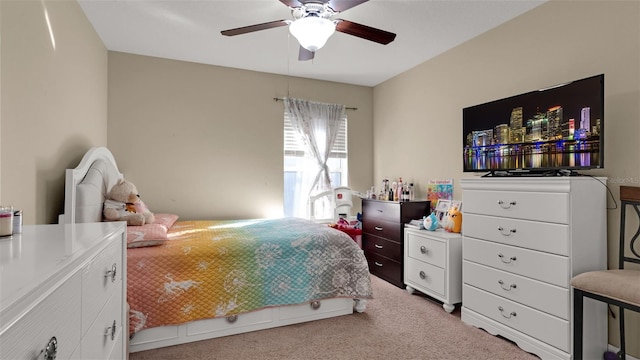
[{"x": 293, "y": 145}]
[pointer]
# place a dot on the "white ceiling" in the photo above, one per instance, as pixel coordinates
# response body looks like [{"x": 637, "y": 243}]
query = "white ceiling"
[{"x": 189, "y": 30}]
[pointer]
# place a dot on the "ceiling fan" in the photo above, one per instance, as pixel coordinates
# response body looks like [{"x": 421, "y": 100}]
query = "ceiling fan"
[{"x": 312, "y": 25}]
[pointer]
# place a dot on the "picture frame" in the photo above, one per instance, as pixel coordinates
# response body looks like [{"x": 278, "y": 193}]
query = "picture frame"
[
  {"x": 456, "y": 204},
  {"x": 442, "y": 208}
]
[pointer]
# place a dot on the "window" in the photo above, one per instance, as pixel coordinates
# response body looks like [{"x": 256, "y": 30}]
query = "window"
[{"x": 296, "y": 163}]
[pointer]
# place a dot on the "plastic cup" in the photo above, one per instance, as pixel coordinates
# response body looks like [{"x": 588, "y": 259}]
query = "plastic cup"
[{"x": 6, "y": 220}]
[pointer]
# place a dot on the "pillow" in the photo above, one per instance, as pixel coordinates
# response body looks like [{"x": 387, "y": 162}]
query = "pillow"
[
  {"x": 166, "y": 220},
  {"x": 153, "y": 234}
]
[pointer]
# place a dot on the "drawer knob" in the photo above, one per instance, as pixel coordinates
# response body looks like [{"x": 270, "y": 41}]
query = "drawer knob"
[
  {"x": 231, "y": 319},
  {"x": 509, "y": 233},
  {"x": 51, "y": 350},
  {"x": 511, "y": 259},
  {"x": 112, "y": 273},
  {"x": 422, "y": 275},
  {"x": 377, "y": 264},
  {"x": 111, "y": 331},
  {"x": 315, "y": 305},
  {"x": 424, "y": 250},
  {"x": 512, "y": 314},
  {"x": 505, "y": 205},
  {"x": 378, "y": 246},
  {"x": 512, "y": 286},
  {"x": 378, "y": 228}
]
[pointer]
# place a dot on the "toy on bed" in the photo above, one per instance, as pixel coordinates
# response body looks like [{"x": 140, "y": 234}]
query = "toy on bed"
[{"x": 124, "y": 204}]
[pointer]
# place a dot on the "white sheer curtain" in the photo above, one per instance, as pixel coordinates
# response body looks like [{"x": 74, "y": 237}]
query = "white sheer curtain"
[{"x": 317, "y": 124}]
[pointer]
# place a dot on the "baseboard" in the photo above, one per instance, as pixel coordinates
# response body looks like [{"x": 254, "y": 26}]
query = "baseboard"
[{"x": 615, "y": 350}]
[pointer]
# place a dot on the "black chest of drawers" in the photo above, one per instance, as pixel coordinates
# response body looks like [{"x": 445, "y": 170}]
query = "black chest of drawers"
[{"x": 383, "y": 235}]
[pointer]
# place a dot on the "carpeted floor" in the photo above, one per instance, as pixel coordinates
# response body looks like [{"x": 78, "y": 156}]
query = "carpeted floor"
[{"x": 396, "y": 325}]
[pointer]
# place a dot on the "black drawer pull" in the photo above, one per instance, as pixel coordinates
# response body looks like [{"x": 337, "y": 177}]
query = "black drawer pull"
[
  {"x": 377, "y": 263},
  {"x": 512, "y": 286},
  {"x": 378, "y": 228},
  {"x": 511, "y": 259},
  {"x": 506, "y": 206},
  {"x": 422, "y": 275},
  {"x": 512, "y": 314},
  {"x": 380, "y": 211},
  {"x": 511, "y": 231},
  {"x": 378, "y": 246},
  {"x": 111, "y": 331},
  {"x": 51, "y": 350}
]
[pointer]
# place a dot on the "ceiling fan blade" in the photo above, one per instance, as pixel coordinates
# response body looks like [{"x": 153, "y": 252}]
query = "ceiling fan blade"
[
  {"x": 256, "y": 27},
  {"x": 342, "y": 5},
  {"x": 291, "y": 3},
  {"x": 304, "y": 54},
  {"x": 365, "y": 32}
]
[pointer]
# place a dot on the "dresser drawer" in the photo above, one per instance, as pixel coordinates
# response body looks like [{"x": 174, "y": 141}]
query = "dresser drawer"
[
  {"x": 97, "y": 285},
  {"x": 98, "y": 342},
  {"x": 542, "y": 296},
  {"x": 539, "y": 206},
  {"x": 385, "y": 210},
  {"x": 426, "y": 249},
  {"x": 385, "y": 268},
  {"x": 541, "y": 266},
  {"x": 543, "y": 236},
  {"x": 381, "y": 246},
  {"x": 544, "y": 327},
  {"x": 426, "y": 275},
  {"x": 386, "y": 229},
  {"x": 57, "y": 315}
]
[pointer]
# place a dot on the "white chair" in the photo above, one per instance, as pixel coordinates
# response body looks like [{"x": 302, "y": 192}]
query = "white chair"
[{"x": 329, "y": 206}]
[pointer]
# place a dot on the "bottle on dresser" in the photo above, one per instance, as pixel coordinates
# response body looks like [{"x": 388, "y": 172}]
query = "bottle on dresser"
[{"x": 405, "y": 193}]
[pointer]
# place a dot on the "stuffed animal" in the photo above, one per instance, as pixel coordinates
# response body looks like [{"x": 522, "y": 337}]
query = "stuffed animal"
[
  {"x": 454, "y": 221},
  {"x": 124, "y": 204},
  {"x": 430, "y": 222}
]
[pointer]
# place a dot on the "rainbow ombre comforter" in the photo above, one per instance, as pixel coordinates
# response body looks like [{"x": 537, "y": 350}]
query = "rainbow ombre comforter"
[{"x": 220, "y": 268}]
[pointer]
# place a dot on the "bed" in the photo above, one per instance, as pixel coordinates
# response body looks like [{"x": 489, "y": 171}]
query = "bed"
[{"x": 204, "y": 279}]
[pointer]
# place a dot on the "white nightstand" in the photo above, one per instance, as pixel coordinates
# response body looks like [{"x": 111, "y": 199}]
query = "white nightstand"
[{"x": 433, "y": 265}]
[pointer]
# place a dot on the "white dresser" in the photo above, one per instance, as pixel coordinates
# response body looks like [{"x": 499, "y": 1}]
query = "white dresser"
[
  {"x": 63, "y": 292},
  {"x": 433, "y": 265},
  {"x": 524, "y": 239}
]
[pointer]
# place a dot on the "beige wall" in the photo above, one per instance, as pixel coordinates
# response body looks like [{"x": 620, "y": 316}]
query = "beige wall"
[
  {"x": 418, "y": 114},
  {"x": 184, "y": 134},
  {"x": 204, "y": 141},
  {"x": 54, "y": 101}
]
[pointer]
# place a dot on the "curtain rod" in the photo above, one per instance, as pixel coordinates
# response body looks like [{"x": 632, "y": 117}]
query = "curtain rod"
[{"x": 346, "y": 107}]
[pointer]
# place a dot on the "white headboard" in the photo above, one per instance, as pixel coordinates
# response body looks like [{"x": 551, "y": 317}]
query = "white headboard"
[{"x": 87, "y": 185}]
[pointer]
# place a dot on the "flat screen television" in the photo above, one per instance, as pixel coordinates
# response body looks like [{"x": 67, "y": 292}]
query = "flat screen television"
[{"x": 551, "y": 131}]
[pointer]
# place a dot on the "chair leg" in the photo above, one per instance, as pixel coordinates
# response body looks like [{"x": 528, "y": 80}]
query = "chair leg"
[
  {"x": 622, "y": 353},
  {"x": 577, "y": 324}
]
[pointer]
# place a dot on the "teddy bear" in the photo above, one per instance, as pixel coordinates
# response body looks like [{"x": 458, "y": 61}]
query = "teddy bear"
[{"x": 124, "y": 204}]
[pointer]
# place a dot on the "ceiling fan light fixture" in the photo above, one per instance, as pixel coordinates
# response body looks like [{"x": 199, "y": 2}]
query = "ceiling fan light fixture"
[{"x": 312, "y": 32}]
